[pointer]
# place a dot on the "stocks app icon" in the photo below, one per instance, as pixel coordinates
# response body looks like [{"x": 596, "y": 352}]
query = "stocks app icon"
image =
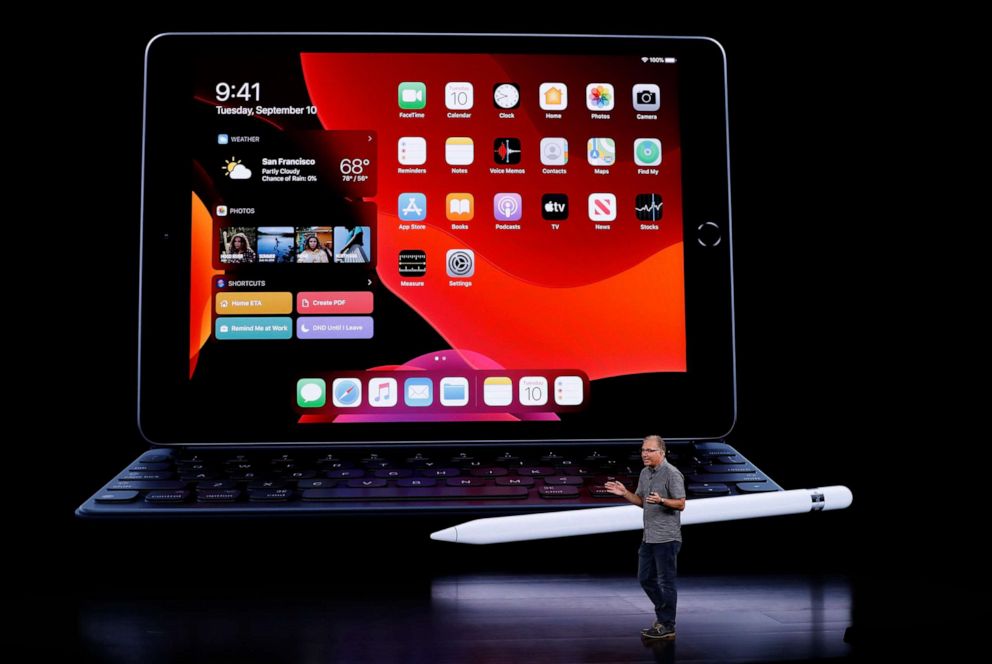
[
  {"x": 648, "y": 207},
  {"x": 413, "y": 263}
]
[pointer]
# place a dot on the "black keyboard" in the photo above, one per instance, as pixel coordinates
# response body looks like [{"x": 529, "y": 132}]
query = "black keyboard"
[{"x": 308, "y": 480}]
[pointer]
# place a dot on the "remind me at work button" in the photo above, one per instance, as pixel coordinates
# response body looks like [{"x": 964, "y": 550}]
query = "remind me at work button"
[{"x": 255, "y": 327}]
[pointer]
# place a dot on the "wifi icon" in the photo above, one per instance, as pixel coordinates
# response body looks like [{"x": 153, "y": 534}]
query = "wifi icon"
[{"x": 644, "y": 59}]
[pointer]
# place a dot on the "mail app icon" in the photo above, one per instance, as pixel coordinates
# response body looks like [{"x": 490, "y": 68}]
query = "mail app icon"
[{"x": 418, "y": 391}]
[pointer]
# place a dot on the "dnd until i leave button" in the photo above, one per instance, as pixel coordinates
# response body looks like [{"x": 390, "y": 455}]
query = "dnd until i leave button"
[
  {"x": 254, "y": 327},
  {"x": 334, "y": 327}
]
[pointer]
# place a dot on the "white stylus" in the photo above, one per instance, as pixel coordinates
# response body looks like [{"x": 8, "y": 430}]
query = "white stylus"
[{"x": 630, "y": 517}]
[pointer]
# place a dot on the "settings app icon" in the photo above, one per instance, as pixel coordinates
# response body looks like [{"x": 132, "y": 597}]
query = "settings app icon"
[{"x": 460, "y": 262}]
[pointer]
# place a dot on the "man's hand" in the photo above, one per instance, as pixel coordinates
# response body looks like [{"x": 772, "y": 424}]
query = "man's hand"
[{"x": 616, "y": 488}]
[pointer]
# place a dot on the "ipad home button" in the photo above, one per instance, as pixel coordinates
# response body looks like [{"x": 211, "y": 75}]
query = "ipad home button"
[{"x": 708, "y": 234}]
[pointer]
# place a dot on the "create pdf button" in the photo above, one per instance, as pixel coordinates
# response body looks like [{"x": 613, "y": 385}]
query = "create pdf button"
[{"x": 334, "y": 302}]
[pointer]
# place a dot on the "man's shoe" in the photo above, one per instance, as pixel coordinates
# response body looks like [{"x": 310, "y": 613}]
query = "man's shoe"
[
  {"x": 660, "y": 632},
  {"x": 648, "y": 629}
]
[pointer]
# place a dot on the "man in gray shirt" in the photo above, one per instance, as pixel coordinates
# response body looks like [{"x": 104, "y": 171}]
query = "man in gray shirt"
[{"x": 661, "y": 492}]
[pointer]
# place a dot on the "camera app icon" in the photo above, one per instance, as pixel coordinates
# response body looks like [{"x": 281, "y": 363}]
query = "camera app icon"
[{"x": 647, "y": 97}]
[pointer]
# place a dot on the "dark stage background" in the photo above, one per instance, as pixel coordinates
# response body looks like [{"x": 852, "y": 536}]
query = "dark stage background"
[{"x": 840, "y": 359}]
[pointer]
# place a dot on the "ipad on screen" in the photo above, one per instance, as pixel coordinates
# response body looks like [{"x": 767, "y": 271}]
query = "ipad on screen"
[{"x": 362, "y": 238}]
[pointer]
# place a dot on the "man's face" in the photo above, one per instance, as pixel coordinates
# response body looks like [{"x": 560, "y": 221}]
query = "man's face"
[{"x": 651, "y": 454}]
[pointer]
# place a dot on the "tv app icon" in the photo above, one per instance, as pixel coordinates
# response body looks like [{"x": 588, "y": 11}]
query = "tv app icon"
[
  {"x": 554, "y": 207},
  {"x": 648, "y": 207}
]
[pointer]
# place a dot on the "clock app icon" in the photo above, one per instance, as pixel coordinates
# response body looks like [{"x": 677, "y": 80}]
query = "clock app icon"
[{"x": 506, "y": 95}]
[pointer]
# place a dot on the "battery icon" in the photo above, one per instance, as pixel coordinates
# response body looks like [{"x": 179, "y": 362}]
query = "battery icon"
[{"x": 669, "y": 61}]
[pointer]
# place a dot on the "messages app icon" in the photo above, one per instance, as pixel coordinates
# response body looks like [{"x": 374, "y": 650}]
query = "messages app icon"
[{"x": 311, "y": 392}]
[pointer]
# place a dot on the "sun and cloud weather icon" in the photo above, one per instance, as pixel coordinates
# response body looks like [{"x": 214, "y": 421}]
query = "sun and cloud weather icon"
[{"x": 234, "y": 169}]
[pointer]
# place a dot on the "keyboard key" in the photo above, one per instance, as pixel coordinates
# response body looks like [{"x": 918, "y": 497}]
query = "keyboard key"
[
  {"x": 149, "y": 485},
  {"x": 514, "y": 481},
  {"x": 225, "y": 496},
  {"x": 157, "y": 456},
  {"x": 274, "y": 495},
  {"x": 488, "y": 471},
  {"x": 117, "y": 496},
  {"x": 564, "y": 480},
  {"x": 316, "y": 484},
  {"x": 149, "y": 467},
  {"x": 393, "y": 473},
  {"x": 367, "y": 483},
  {"x": 344, "y": 474},
  {"x": 166, "y": 496},
  {"x": 216, "y": 485},
  {"x": 417, "y": 482},
  {"x": 267, "y": 484},
  {"x": 558, "y": 491},
  {"x": 704, "y": 489},
  {"x": 440, "y": 472},
  {"x": 431, "y": 493},
  {"x": 465, "y": 481},
  {"x": 703, "y": 478},
  {"x": 755, "y": 487},
  {"x": 725, "y": 468},
  {"x": 531, "y": 471},
  {"x": 160, "y": 475}
]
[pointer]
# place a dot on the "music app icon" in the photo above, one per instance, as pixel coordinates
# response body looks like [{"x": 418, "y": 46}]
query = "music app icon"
[{"x": 382, "y": 392}]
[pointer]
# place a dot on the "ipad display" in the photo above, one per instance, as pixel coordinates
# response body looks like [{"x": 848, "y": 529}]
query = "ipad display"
[{"x": 434, "y": 238}]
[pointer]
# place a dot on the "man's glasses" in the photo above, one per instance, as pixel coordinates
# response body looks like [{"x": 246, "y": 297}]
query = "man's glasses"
[{"x": 644, "y": 450}]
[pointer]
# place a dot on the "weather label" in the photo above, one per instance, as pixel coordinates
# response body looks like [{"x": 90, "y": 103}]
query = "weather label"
[{"x": 283, "y": 169}]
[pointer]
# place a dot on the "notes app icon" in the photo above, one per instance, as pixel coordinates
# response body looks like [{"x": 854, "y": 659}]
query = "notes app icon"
[
  {"x": 497, "y": 391},
  {"x": 459, "y": 151}
]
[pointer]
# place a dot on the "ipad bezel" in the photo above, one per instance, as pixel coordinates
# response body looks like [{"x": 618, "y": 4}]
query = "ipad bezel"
[{"x": 699, "y": 403}]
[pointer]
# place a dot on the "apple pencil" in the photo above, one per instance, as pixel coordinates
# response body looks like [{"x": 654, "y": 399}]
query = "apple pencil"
[{"x": 630, "y": 517}]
